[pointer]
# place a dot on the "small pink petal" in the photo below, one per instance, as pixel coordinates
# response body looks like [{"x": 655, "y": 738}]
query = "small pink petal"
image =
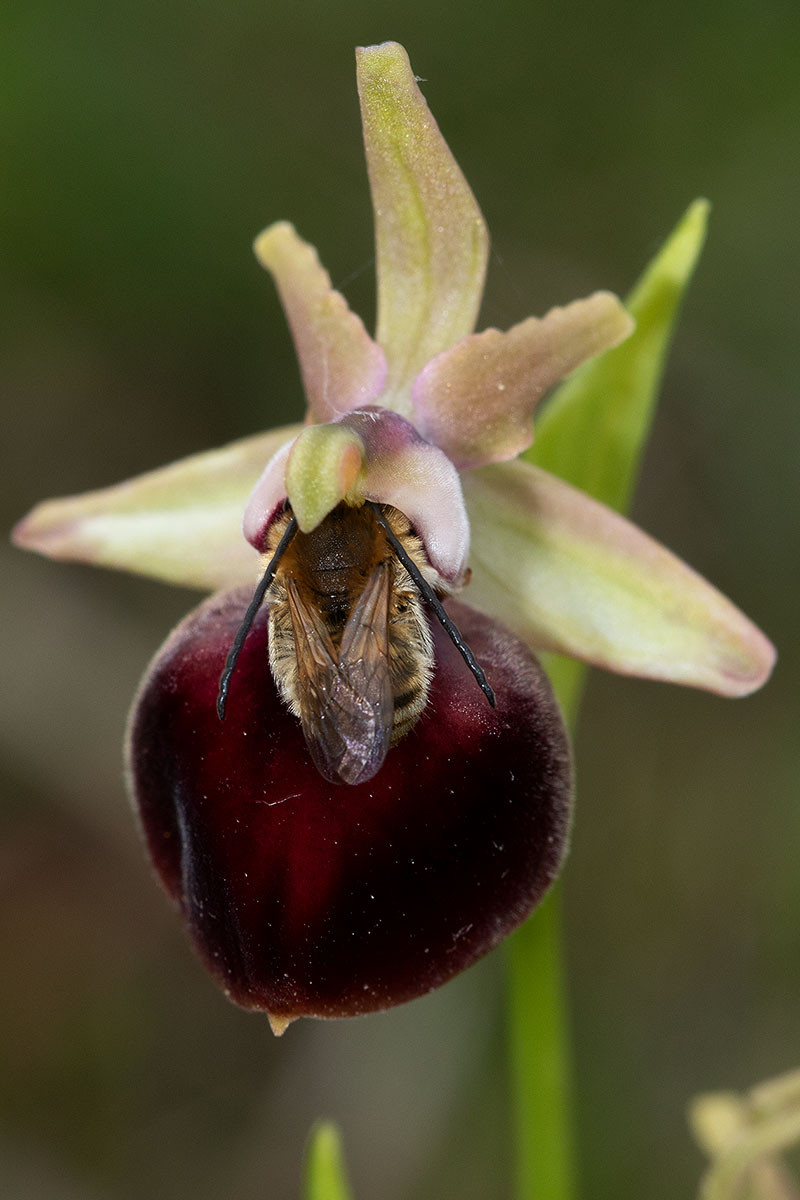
[
  {"x": 476, "y": 400},
  {"x": 568, "y": 574},
  {"x": 342, "y": 367},
  {"x": 431, "y": 240},
  {"x": 267, "y": 497},
  {"x": 181, "y": 523},
  {"x": 402, "y": 469}
]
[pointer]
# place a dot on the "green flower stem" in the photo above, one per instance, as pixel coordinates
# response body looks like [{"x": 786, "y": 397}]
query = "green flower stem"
[
  {"x": 539, "y": 1025},
  {"x": 540, "y": 1060},
  {"x": 592, "y": 433}
]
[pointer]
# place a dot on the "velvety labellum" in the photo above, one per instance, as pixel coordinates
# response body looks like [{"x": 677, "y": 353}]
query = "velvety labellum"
[{"x": 307, "y": 898}]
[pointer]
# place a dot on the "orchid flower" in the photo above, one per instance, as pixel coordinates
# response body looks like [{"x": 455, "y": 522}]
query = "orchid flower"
[{"x": 307, "y": 897}]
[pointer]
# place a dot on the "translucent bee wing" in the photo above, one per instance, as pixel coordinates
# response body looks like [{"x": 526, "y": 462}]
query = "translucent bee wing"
[
  {"x": 364, "y": 656},
  {"x": 326, "y": 712},
  {"x": 346, "y": 703},
  {"x": 313, "y": 645}
]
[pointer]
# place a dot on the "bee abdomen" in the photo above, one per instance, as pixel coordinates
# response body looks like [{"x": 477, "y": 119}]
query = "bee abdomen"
[
  {"x": 411, "y": 650},
  {"x": 407, "y": 711}
]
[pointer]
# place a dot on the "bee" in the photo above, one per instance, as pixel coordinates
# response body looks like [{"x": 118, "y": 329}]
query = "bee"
[{"x": 350, "y": 648}]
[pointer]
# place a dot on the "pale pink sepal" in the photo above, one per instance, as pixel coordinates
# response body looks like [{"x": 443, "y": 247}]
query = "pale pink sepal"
[
  {"x": 342, "y": 367},
  {"x": 476, "y": 400},
  {"x": 431, "y": 240},
  {"x": 568, "y": 574},
  {"x": 180, "y": 524}
]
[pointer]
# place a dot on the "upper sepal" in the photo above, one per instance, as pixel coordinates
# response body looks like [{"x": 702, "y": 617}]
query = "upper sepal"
[{"x": 430, "y": 238}]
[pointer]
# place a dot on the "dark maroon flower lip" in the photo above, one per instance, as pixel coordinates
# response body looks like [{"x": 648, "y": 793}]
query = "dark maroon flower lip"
[{"x": 307, "y": 898}]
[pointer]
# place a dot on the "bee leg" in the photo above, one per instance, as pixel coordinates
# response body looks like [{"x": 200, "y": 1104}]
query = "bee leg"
[
  {"x": 249, "y": 617},
  {"x": 433, "y": 600}
]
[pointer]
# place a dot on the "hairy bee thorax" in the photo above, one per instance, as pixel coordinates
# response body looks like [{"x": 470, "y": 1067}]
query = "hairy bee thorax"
[{"x": 330, "y": 568}]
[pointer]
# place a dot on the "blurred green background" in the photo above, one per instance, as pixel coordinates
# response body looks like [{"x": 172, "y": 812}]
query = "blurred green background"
[{"x": 145, "y": 145}]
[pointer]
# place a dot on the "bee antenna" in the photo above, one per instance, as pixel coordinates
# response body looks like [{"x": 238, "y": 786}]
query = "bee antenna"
[
  {"x": 250, "y": 616},
  {"x": 433, "y": 600}
]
